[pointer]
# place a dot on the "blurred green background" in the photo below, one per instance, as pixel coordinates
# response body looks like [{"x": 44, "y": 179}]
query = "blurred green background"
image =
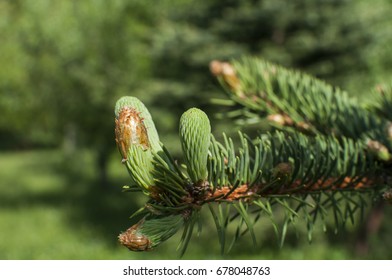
[{"x": 64, "y": 63}]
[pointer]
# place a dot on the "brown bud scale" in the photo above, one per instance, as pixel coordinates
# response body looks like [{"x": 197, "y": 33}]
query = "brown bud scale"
[
  {"x": 227, "y": 72},
  {"x": 134, "y": 240},
  {"x": 130, "y": 130}
]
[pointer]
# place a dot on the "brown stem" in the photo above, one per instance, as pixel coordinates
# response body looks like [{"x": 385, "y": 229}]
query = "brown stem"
[{"x": 243, "y": 192}]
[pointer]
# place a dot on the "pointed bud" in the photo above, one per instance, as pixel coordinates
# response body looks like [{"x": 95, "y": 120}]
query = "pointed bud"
[
  {"x": 283, "y": 120},
  {"x": 136, "y": 137},
  {"x": 134, "y": 240},
  {"x": 227, "y": 72},
  {"x": 379, "y": 150},
  {"x": 195, "y": 133},
  {"x": 150, "y": 232}
]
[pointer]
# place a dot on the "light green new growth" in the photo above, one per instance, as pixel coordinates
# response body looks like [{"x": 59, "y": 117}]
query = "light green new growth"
[
  {"x": 195, "y": 133},
  {"x": 139, "y": 161},
  {"x": 140, "y": 167},
  {"x": 159, "y": 229}
]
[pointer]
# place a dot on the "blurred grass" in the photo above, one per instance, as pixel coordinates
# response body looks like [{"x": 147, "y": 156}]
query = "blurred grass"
[{"x": 48, "y": 214}]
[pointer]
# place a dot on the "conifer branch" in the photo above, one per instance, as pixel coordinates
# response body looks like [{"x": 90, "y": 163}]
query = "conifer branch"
[
  {"x": 291, "y": 99},
  {"x": 317, "y": 165}
]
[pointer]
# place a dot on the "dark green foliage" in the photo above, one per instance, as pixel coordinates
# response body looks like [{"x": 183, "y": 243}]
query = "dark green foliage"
[
  {"x": 310, "y": 104},
  {"x": 384, "y": 108},
  {"x": 312, "y": 168},
  {"x": 316, "y": 187},
  {"x": 333, "y": 40}
]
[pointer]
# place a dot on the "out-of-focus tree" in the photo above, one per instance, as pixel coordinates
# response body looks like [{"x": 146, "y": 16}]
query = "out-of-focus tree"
[
  {"x": 64, "y": 63},
  {"x": 345, "y": 42},
  {"x": 13, "y": 77}
]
